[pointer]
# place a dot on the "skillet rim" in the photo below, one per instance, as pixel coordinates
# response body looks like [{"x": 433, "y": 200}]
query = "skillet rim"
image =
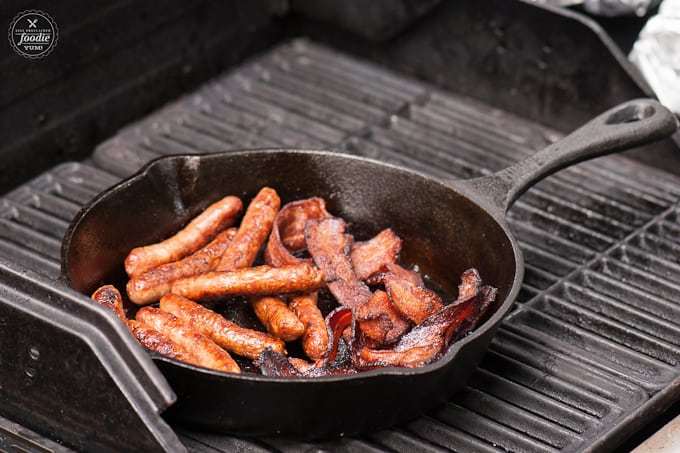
[{"x": 480, "y": 199}]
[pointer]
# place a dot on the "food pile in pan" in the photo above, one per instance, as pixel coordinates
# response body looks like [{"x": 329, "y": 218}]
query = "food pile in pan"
[{"x": 384, "y": 315}]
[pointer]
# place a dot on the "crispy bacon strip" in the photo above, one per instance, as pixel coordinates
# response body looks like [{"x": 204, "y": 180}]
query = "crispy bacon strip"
[
  {"x": 315, "y": 337},
  {"x": 428, "y": 341},
  {"x": 201, "y": 230},
  {"x": 252, "y": 233},
  {"x": 416, "y": 303},
  {"x": 111, "y": 298},
  {"x": 288, "y": 231},
  {"x": 303, "y": 366},
  {"x": 404, "y": 274},
  {"x": 470, "y": 281},
  {"x": 238, "y": 340},
  {"x": 204, "y": 350},
  {"x": 424, "y": 344},
  {"x": 329, "y": 247},
  {"x": 153, "y": 284},
  {"x": 380, "y": 321},
  {"x": 369, "y": 258},
  {"x": 277, "y": 318},
  {"x": 155, "y": 341},
  {"x": 292, "y": 220},
  {"x": 259, "y": 281}
]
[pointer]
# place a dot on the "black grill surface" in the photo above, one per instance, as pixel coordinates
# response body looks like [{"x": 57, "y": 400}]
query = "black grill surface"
[{"x": 592, "y": 350}]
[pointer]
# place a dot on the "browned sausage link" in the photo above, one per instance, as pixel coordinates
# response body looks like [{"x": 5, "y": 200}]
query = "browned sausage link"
[
  {"x": 414, "y": 302},
  {"x": 370, "y": 257},
  {"x": 288, "y": 231},
  {"x": 151, "y": 285},
  {"x": 207, "y": 353},
  {"x": 236, "y": 339},
  {"x": 288, "y": 235},
  {"x": 253, "y": 231},
  {"x": 258, "y": 281},
  {"x": 110, "y": 297},
  {"x": 155, "y": 341},
  {"x": 277, "y": 318},
  {"x": 315, "y": 338},
  {"x": 201, "y": 230},
  {"x": 329, "y": 246}
]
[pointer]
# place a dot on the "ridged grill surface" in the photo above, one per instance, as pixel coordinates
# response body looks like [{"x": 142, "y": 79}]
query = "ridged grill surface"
[{"x": 596, "y": 334}]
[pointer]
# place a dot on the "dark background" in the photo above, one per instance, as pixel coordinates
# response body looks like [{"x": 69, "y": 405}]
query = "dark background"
[{"x": 117, "y": 61}]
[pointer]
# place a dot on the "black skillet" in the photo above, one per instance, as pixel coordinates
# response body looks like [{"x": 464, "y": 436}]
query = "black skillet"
[{"x": 446, "y": 228}]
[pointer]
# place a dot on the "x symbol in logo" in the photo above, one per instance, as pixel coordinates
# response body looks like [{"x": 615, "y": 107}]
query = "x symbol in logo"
[{"x": 32, "y": 23}]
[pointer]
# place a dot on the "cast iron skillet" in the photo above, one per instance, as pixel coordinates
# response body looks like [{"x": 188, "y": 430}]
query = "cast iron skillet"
[{"x": 446, "y": 228}]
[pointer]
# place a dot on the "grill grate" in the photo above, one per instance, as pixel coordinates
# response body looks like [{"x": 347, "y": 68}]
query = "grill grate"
[{"x": 596, "y": 334}]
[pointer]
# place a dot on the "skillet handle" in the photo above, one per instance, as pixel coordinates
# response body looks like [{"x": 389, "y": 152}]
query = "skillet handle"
[{"x": 627, "y": 125}]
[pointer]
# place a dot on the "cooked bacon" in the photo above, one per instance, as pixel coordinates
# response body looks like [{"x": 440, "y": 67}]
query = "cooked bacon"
[
  {"x": 369, "y": 258},
  {"x": 272, "y": 363},
  {"x": 238, "y": 340},
  {"x": 380, "y": 321},
  {"x": 259, "y": 281},
  {"x": 329, "y": 247},
  {"x": 153, "y": 284},
  {"x": 201, "y": 230},
  {"x": 205, "y": 351},
  {"x": 275, "y": 364},
  {"x": 414, "y": 302},
  {"x": 291, "y": 221},
  {"x": 277, "y": 318},
  {"x": 288, "y": 232},
  {"x": 253, "y": 231},
  {"x": 469, "y": 284},
  {"x": 428, "y": 341},
  {"x": 402, "y": 273}
]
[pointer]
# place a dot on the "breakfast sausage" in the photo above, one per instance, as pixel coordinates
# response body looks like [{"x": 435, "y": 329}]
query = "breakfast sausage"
[
  {"x": 287, "y": 236},
  {"x": 111, "y": 298},
  {"x": 236, "y": 339},
  {"x": 315, "y": 337},
  {"x": 201, "y": 230},
  {"x": 205, "y": 351},
  {"x": 278, "y": 319},
  {"x": 259, "y": 281},
  {"x": 155, "y": 341},
  {"x": 151, "y": 285},
  {"x": 253, "y": 231}
]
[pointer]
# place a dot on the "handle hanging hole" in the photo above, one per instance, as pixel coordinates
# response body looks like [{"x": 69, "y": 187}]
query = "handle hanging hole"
[{"x": 631, "y": 114}]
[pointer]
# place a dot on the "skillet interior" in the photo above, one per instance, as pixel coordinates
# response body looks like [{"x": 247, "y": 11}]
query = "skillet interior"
[{"x": 443, "y": 231}]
